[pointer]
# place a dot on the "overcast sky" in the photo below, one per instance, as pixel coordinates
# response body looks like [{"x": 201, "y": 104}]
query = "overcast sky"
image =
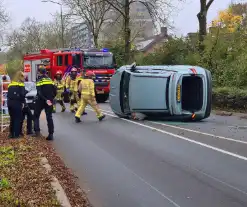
[{"x": 185, "y": 21}]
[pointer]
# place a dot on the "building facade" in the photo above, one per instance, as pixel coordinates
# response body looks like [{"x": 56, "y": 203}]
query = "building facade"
[
  {"x": 141, "y": 21},
  {"x": 141, "y": 24},
  {"x": 81, "y": 36}
]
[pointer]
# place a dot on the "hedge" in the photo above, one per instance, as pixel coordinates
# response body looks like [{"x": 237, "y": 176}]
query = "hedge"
[{"x": 227, "y": 98}]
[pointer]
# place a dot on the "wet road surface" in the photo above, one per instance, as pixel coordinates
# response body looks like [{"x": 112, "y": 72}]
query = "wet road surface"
[{"x": 122, "y": 163}]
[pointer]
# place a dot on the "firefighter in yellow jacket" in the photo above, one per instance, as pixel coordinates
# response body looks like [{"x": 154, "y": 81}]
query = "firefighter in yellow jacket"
[
  {"x": 79, "y": 77},
  {"x": 59, "y": 83},
  {"x": 72, "y": 89},
  {"x": 86, "y": 88}
]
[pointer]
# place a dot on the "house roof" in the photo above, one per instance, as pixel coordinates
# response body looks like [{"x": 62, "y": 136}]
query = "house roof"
[{"x": 150, "y": 42}]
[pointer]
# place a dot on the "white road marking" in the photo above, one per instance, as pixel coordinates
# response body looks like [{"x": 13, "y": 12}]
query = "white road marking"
[
  {"x": 181, "y": 137},
  {"x": 194, "y": 131},
  {"x": 152, "y": 187},
  {"x": 192, "y": 141}
]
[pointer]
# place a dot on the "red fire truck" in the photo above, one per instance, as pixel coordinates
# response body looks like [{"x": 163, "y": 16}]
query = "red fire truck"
[{"x": 101, "y": 62}]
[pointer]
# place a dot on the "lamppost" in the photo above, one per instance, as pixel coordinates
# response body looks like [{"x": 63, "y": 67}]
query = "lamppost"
[{"x": 61, "y": 17}]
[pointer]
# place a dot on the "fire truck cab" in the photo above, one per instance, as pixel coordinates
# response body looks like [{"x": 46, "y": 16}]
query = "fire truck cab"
[{"x": 101, "y": 62}]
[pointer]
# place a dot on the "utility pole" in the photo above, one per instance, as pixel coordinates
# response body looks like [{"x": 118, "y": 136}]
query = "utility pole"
[{"x": 61, "y": 19}]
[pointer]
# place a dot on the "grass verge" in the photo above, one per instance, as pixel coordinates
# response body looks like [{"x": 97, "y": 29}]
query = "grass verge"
[{"x": 24, "y": 182}]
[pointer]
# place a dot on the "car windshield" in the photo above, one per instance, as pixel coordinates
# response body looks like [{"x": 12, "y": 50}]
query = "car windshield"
[{"x": 98, "y": 61}]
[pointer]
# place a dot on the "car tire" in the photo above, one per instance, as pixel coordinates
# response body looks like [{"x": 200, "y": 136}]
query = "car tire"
[{"x": 209, "y": 94}]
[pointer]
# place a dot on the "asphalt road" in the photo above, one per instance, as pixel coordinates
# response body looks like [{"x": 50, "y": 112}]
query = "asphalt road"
[{"x": 122, "y": 163}]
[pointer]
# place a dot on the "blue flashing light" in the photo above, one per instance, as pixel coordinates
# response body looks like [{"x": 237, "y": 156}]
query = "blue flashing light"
[
  {"x": 75, "y": 49},
  {"x": 105, "y": 50}
]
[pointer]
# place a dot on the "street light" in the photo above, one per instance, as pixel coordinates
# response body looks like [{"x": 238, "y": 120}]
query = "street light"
[{"x": 61, "y": 16}]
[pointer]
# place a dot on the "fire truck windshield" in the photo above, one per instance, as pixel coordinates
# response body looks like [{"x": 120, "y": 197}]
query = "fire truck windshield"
[{"x": 97, "y": 61}]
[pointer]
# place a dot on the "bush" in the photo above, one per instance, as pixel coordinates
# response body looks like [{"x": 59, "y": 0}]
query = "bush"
[
  {"x": 225, "y": 56},
  {"x": 230, "y": 98}
]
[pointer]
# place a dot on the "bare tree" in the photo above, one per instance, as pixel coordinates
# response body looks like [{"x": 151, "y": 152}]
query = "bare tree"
[
  {"x": 33, "y": 36},
  {"x": 4, "y": 19},
  {"x": 157, "y": 10},
  {"x": 92, "y": 12},
  {"x": 202, "y": 18},
  {"x": 53, "y": 29}
]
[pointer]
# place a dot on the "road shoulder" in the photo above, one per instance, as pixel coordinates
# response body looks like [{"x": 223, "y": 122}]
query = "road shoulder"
[{"x": 25, "y": 182}]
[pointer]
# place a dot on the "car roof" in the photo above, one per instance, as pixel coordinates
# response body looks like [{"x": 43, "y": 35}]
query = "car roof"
[{"x": 172, "y": 68}]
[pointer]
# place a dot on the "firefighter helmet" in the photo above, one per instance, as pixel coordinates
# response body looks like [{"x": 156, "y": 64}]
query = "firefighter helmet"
[
  {"x": 59, "y": 72},
  {"x": 90, "y": 74},
  {"x": 73, "y": 70}
]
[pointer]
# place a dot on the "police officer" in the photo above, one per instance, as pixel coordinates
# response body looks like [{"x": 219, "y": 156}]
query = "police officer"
[
  {"x": 15, "y": 101},
  {"x": 26, "y": 112},
  {"x": 46, "y": 92},
  {"x": 87, "y": 90},
  {"x": 59, "y": 83},
  {"x": 71, "y": 88}
]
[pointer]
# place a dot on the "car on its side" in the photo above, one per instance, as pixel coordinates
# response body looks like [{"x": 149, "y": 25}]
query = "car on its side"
[{"x": 180, "y": 92}]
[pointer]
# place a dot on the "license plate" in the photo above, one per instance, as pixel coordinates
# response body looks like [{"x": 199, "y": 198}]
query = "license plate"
[
  {"x": 100, "y": 92},
  {"x": 178, "y": 93}
]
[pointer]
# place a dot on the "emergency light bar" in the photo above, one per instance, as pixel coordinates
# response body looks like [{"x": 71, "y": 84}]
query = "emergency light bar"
[{"x": 105, "y": 50}]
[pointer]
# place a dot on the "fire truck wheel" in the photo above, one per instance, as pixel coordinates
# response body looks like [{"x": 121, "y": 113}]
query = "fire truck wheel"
[{"x": 102, "y": 98}]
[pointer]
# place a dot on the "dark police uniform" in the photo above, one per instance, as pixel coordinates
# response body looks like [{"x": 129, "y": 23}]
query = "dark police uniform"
[
  {"x": 46, "y": 90},
  {"x": 16, "y": 99},
  {"x": 26, "y": 112}
]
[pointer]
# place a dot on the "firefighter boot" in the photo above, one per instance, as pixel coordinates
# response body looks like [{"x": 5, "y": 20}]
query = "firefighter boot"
[
  {"x": 101, "y": 117},
  {"x": 77, "y": 120}
]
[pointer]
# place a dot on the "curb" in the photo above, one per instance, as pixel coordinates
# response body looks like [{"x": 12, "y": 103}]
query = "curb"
[{"x": 60, "y": 193}]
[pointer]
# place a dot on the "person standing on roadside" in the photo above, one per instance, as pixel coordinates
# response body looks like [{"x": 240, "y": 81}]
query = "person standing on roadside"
[
  {"x": 15, "y": 101},
  {"x": 46, "y": 92}
]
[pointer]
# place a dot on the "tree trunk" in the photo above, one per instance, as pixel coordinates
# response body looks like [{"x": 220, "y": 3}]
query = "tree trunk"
[
  {"x": 95, "y": 39},
  {"x": 202, "y": 18},
  {"x": 127, "y": 32}
]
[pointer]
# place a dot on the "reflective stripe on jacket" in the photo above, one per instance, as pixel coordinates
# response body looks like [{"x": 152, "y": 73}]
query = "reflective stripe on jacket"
[
  {"x": 86, "y": 87},
  {"x": 16, "y": 91},
  {"x": 59, "y": 85},
  {"x": 46, "y": 89},
  {"x": 70, "y": 84}
]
